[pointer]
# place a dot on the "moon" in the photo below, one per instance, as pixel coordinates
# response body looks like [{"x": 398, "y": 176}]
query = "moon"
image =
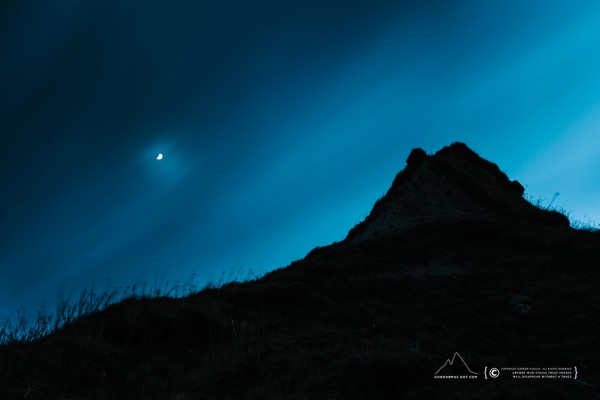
[{"x": 160, "y": 156}]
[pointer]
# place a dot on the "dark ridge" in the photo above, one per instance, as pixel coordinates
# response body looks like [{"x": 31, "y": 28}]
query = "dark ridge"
[
  {"x": 451, "y": 260},
  {"x": 453, "y": 184}
]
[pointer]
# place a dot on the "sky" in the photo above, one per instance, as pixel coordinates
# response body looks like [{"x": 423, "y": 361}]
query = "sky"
[{"x": 280, "y": 122}]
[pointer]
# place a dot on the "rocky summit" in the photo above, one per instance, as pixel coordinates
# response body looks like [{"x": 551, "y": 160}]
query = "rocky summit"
[
  {"x": 452, "y": 185},
  {"x": 454, "y": 287}
]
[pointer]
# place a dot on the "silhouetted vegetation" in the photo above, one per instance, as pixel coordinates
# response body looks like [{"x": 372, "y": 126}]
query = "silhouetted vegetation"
[{"x": 367, "y": 320}]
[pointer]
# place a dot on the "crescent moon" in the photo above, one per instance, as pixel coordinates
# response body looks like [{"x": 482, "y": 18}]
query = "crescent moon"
[{"x": 160, "y": 156}]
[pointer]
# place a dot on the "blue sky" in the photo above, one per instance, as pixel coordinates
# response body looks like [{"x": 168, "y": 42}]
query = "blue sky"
[{"x": 281, "y": 123}]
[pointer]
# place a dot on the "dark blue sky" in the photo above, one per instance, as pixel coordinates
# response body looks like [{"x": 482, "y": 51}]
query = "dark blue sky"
[{"x": 280, "y": 123}]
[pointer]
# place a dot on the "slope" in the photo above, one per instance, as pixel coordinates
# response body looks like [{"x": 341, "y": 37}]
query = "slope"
[{"x": 451, "y": 260}]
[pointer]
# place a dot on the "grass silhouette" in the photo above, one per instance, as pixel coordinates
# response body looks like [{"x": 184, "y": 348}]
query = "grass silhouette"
[
  {"x": 340, "y": 323},
  {"x": 373, "y": 319},
  {"x": 22, "y": 328},
  {"x": 586, "y": 224}
]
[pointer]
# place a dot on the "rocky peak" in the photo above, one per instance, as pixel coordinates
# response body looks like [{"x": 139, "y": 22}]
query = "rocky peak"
[{"x": 453, "y": 184}]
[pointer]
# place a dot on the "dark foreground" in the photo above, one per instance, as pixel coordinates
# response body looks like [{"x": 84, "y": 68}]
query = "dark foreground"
[
  {"x": 371, "y": 321},
  {"x": 374, "y": 319}
]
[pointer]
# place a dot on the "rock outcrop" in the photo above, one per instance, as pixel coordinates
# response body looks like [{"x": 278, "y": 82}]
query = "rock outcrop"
[{"x": 453, "y": 184}]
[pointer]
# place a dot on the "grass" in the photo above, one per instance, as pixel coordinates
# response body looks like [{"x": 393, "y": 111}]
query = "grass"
[
  {"x": 372, "y": 320},
  {"x": 22, "y": 328},
  {"x": 346, "y": 322},
  {"x": 586, "y": 224}
]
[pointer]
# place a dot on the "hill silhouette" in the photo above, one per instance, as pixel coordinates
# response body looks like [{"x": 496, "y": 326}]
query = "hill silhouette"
[{"x": 451, "y": 259}]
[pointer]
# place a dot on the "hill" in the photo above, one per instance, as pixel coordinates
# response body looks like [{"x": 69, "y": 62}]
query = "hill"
[{"x": 451, "y": 260}]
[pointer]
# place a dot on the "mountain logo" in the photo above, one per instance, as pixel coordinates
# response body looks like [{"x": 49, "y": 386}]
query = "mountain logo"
[{"x": 455, "y": 368}]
